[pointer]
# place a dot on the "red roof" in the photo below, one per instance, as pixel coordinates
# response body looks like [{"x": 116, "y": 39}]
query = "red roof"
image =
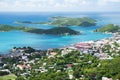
[
  {"x": 83, "y": 45},
  {"x": 69, "y": 65}
]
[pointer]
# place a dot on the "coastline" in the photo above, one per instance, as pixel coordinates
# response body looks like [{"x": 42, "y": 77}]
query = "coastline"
[{"x": 115, "y": 38}]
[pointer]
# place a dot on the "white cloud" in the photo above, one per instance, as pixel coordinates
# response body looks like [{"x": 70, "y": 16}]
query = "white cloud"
[
  {"x": 113, "y": 0},
  {"x": 106, "y": 2},
  {"x": 58, "y": 5}
]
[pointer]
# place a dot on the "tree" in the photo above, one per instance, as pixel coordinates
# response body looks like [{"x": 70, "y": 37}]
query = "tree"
[{"x": 20, "y": 78}]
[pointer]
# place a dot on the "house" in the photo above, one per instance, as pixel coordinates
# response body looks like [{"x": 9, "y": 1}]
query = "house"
[
  {"x": 44, "y": 64},
  {"x": 24, "y": 57},
  {"x": 52, "y": 54},
  {"x": 6, "y": 70},
  {"x": 23, "y": 66},
  {"x": 83, "y": 45},
  {"x": 58, "y": 70},
  {"x": 41, "y": 69},
  {"x": 70, "y": 71},
  {"x": 69, "y": 66},
  {"x": 105, "y": 78},
  {"x": 101, "y": 56},
  {"x": 65, "y": 51}
]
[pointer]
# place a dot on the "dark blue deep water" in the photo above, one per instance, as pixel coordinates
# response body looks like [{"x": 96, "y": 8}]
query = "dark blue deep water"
[{"x": 20, "y": 39}]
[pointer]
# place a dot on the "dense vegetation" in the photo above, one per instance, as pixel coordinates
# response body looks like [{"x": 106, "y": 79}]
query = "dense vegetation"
[
  {"x": 109, "y": 28},
  {"x": 10, "y": 28},
  {"x": 66, "y": 21},
  {"x": 53, "y": 31},
  {"x": 2, "y": 73},
  {"x": 85, "y": 66}
]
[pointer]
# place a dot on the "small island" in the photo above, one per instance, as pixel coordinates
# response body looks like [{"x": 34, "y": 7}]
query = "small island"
[
  {"x": 54, "y": 31},
  {"x": 26, "y": 22},
  {"x": 65, "y": 21},
  {"x": 109, "y": 28}
]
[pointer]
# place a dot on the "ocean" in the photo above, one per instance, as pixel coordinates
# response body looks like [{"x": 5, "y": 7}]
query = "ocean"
[{"x": 20, "y": 39}]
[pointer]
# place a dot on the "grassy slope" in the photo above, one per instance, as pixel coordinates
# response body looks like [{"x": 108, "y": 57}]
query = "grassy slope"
[
  {"x": 108, "y": 28},
  {"x": 8, "y": 77}
]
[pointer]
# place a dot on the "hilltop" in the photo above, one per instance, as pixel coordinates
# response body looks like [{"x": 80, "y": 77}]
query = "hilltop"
[{"x": 55, "y": 31}]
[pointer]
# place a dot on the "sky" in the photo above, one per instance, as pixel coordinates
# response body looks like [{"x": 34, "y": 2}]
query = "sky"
[{"x": 60, "y": 5}]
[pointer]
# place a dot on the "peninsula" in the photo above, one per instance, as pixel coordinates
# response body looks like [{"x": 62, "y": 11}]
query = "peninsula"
[
  {"x": 65, "y": 21},
  {"x": 54, "y": 31},
  {"x": 109, "y": 28},
  {"x": 10, "y": 28}
]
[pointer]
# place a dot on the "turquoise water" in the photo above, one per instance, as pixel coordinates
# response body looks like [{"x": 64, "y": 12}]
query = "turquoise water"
[{"x": 20, "y": 39}]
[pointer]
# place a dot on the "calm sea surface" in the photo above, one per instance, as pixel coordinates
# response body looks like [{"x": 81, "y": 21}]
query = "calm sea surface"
[{"x": 20, "y": 39}]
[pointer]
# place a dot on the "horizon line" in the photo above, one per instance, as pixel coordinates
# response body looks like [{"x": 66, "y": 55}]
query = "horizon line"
[{"x": 62, "y": 11}]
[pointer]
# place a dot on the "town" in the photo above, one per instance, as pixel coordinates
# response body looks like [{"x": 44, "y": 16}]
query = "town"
[{"x": 80, "y": 61}]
